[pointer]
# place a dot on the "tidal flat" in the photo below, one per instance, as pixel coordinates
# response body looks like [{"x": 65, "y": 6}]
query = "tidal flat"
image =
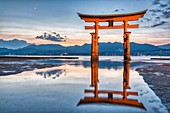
[{"x": 61, "y": 86}]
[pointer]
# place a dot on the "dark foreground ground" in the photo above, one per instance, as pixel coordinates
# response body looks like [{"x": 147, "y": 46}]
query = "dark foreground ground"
[
  {"x": 158, "y": 78},
  {"x": 10, "y": 67}
]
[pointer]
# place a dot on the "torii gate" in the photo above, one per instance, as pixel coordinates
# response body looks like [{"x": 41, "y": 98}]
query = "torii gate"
[
  {"x": 110, "y": 98},
  {"x": 111, "y": 18}
]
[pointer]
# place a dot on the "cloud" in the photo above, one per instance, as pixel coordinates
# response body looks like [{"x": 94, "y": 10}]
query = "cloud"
[
  {"x": 155, "y": 2},
  {"x": 118, "y": 10},
  {"x": 166, "y": 14},
  {"x": 158, "y": 14},
  {"x": 147, "y": 19},
  {"x": 155, "y": 10},
  {"x": 52, "y": 37},
  {"x": 159, "y": 24},
  {"x": 163, "y": 5},
  {"x": 54, "y": 32}
]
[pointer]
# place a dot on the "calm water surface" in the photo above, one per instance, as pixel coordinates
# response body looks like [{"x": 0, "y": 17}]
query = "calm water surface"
[{"x": 79, "y": 86}]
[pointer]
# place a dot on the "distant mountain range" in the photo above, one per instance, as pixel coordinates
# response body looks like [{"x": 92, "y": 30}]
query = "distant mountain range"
[
  {"x": 166, "y": 46},
  {"x": 13, "y": 44},
  {"x": 20, "y": 47}
]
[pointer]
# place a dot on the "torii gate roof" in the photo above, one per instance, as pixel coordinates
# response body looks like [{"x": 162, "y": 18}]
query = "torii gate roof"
[{"x": 114, "y": 17}]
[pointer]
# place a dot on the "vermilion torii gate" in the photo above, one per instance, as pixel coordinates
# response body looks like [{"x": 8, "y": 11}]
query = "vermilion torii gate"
[
  {"x": 111, "y": 18},
  {"x": 111, "y": 98}
]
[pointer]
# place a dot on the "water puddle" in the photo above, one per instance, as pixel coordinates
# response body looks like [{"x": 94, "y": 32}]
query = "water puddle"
[{"x": 79, "y": 87}]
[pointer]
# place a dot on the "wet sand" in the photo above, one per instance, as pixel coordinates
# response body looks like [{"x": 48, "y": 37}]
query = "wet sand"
[
  {"x": 157, "y": 76},
  {"x": 158, "y": 79},
  {"x": 15, "y": 68}
]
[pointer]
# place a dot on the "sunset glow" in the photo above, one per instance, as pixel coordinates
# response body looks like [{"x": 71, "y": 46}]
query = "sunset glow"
[{"x": 24, "y": 20}]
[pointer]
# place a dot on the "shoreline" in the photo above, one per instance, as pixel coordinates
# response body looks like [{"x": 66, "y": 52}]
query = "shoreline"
[
  {"x": 160, "y": 58},
  {"x": 2, "y": 57},
  {"x": 158, "y": 79}
]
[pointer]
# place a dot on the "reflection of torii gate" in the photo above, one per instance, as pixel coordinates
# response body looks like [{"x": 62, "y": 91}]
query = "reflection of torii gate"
[
  {"x": 110, "y": 99},
  {"x": 111, "y": 19}
]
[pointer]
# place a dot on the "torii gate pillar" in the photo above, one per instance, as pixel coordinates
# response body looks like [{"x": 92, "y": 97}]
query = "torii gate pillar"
[
  {"x": 94, "y": 47},
  {"x": 94, "y": 60},
  {"x": 127, "y": 46}
]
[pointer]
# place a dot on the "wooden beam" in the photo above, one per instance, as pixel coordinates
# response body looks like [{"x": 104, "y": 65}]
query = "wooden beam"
[
  {"x": 115, "y": 19},
  {"x": 127, "y": 46},
  {"x": 129, "y": 102},
  {"x": 112, "y": 27},
  {"x": 110, "y": 23},
  {"x": 125, "y": 25},
  {"x": 113, "y": 92}
]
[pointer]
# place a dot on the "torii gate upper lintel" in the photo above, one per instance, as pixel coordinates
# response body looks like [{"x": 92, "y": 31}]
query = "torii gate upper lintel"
[{"x": 111, "y": 18}]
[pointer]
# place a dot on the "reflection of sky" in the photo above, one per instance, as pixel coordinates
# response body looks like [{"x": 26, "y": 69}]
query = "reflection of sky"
[
  {"x": 103, "y": 64},
  {"x": 63, "y": 93},
  {"x": 25, "y": 19},
  {"x": 112, "y": 80},
  {"x": 66, "y": 91}
]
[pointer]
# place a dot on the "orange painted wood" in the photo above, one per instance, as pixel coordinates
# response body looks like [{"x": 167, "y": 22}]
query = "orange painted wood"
[
  {"x": 129, "y": 102},
  {"x": 114, "y": 17},
  {"x": 110, "y": 91},
  {"x": 112, "y": 27},
  {"x": 110, "y": 23},
  {"x": 127, "y": 46}
]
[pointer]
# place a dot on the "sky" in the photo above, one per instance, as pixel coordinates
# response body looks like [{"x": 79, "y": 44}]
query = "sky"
[{"x": 57, "y": 22}]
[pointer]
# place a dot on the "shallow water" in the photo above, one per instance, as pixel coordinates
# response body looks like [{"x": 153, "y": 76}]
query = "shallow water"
[{"x": 77, "y": 86}]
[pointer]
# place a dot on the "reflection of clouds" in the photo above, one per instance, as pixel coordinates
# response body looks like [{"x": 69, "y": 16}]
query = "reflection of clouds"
[{"x": 52, "y": 73}]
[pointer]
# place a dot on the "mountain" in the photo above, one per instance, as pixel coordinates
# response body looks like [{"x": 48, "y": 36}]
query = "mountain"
[
  {"x": 109, "y": 48},
  {"x": 43, "y": 49},
  {"x": 142, "y": 47},
  {"x": 4, "y": 51},
  {"x": 79, "y": 50},
  {"x": 13, "y": 44},
  {"x": 166, "y": 46}
]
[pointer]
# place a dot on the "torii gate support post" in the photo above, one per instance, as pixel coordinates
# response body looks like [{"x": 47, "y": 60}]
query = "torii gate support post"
[
  {"x": 94, "y": 47},
  {"x": 127, "y": 46},
  {"x": 94, "y": 58},
  {"x": 94, "y": 76},
  {"x": 126, "y": 77},
  {"x": 126, "y": 43},
  {"x": 126, "y": 74}
]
